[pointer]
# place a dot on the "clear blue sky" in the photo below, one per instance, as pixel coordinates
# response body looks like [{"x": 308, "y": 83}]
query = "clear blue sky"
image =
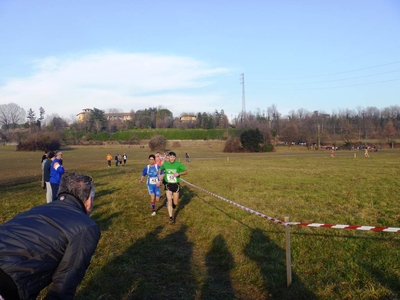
[{"x": 187, "y": 56}]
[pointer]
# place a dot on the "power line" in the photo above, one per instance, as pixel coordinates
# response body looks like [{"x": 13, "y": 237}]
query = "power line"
[
  {"x": 334, "y": 87},
  {"x": 394, "y": 71},
  {"x": 338, "y": 73}
]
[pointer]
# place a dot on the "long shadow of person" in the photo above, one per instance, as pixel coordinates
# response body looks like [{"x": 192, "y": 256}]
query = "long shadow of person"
[
  {"x": 102, "y": 217},
  {"x": 271, "y": 260},
  {"x": 386, "y": 275},
  {"x": 219, "y": 262},
  {"x": 151, "y": 268},
  {"x": 185, "y": 195}
]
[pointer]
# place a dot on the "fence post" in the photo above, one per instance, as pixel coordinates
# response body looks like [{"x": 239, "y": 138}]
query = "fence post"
[{"x": 288, "y": 255}]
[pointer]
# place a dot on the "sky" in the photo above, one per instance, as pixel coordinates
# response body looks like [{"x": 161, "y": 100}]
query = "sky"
[{"x": 189, "y": 56}]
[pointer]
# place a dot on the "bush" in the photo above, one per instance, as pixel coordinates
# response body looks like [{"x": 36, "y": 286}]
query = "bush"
[
  {"x": 40, "y": 141},
  {"x": 268, "y": 148},
  {"x": 233, "y": 145},
  {"x": 158, "y": 143},
  {"x": 252, "y": 139}
]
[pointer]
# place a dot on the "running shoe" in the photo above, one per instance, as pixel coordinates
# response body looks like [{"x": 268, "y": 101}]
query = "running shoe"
[
  {"x": 171, "y": 220},
  {"x": 153, "y": 213}
]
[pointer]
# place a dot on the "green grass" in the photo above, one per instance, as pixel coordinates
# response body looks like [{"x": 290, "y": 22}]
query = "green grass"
[{"x": 219, "y": 251}]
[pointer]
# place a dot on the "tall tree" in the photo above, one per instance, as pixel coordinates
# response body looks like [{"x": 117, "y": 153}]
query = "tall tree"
[
  {"x": 390, "y": 132},
  {"x": 41, "y": 117},
  {"x": 31, "y": 116},
  {"x": 11, "y": 115},
  {"x": 97, "y": 121},
  {"x": 290, "y": 133}
]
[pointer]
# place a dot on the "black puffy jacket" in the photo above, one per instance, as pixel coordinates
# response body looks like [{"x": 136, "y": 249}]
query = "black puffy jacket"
[{"x": 53, "y": 242}]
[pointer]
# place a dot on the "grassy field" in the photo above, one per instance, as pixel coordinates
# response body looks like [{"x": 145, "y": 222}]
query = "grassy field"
[{"x": 219, "y": 251}]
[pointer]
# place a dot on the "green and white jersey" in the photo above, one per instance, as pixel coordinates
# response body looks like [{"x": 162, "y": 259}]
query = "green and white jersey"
[{"x": 170, "y": 169}]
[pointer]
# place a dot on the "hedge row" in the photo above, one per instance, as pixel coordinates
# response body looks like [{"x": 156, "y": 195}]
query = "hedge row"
[{"x": 169, "y": 134}]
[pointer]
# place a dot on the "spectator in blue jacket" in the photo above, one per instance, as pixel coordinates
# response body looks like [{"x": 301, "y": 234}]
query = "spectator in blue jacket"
[{"x": 56, "y": 171}]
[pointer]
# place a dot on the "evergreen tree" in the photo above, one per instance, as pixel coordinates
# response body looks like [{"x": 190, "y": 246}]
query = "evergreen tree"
[{"x": 97, "y": 121}]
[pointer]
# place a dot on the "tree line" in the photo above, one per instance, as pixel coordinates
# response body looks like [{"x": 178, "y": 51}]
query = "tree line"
[{"x": 312, "y": 128}]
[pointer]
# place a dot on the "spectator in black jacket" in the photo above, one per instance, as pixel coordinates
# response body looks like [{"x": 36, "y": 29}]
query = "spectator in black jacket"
[
  {"x": 46, "y": 175},
  {"x": 50, "y": 243}
]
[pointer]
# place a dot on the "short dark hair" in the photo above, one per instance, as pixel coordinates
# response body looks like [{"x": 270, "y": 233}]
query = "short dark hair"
[
  {"x": 78, "y": 185},
  {"x": 152, "y": 156},
  {"x": 50, "y": 154},
  {"x": 172, "y": 153}
]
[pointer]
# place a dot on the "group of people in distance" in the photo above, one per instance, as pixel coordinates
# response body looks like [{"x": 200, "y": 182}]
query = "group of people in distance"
[
  {"x": 167, "y": 172},
  {"x": 54, "y": 242},
  {"x": 52, "y": 170},
  {"x": 119, "y": 158}
]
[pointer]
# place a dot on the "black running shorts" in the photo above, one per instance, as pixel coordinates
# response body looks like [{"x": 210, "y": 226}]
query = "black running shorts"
[{"x": 172, "y": 187}]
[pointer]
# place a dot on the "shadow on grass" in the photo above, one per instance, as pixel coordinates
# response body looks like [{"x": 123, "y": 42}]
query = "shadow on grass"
[
  {"x": 185, "y": 196},
  {"x": 105, "y": 192},
  {"x": 219, "y": 262},
  {"x": 16, "y": 182},
  {"x": 151, "y": 268},
  {"x": 103, "y": 218},
  {"x": 387, "y": 277},
  {"x": 271, "y": 260}
]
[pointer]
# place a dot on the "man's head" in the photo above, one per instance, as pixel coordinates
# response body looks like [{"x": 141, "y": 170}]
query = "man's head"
[
  {"x": 58, "y": 154},
  {"x": 152, "y": 159},
  {"x": 172, "y": 156},
  {"x": 80, "y": 186}
]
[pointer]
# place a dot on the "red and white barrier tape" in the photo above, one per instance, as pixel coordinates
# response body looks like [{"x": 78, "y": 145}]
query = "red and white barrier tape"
[
  {"x": 335, "y": 226},
  {"x": 238, "y": 205},
  {"x": 353, "y": 227}
]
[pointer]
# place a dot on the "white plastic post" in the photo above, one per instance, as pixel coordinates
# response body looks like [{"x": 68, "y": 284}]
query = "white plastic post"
[{"x": 288, "y": 255}]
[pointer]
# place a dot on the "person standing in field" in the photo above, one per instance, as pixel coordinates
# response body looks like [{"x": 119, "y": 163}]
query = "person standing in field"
[
  {"x": 120, "y": 159},
  {"x": 43, "y": 161},
  {"x": 153, "y": 183},
  {"x": 46, "y": 172},
  {"x": 50, "y": 243},
  {"x": 172, "y": 170},
  {"x": 56, "y": 171},
  {"x": 109, "y": 158},
  {"x": 366, "y": 152},
  {"x": 332, "y": 152},
  {"x": 187, "y": 156},
  {"x": 124, "y": 157},
  {"x": 116, "y": 159}
]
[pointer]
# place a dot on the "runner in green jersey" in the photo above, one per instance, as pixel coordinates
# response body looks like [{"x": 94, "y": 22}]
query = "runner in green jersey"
[{"x": 173, "y": 170}]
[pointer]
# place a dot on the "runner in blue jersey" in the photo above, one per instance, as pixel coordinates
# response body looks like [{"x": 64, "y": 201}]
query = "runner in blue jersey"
[{"x": 153, "y": 183}]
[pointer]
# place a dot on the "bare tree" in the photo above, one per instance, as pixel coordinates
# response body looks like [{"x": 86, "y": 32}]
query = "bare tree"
[
  {"x": 11, "y": 115},
  {"x": 290, "y": 133},
  {"x": 390, "y": 132},
  {"x": 348, "y": 131}
]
